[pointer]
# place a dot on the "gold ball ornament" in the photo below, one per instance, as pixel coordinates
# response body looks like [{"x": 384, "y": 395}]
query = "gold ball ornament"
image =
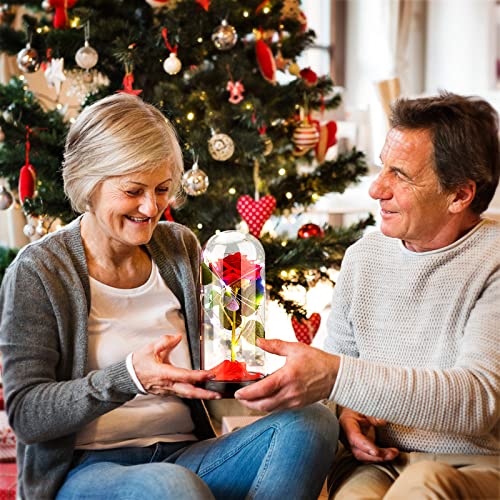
[
  {"x": 225, "y": 36},
  {"x": 172, "y": 64},
  {"x": 294, "y": 69},
  {"x": 220, "y": 147}
]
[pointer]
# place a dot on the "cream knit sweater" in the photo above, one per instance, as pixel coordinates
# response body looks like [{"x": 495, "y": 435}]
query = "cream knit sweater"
[{"x": 418, "y": 338}]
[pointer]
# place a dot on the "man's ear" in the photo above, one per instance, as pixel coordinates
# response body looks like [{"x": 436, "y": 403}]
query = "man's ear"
[{"x": 462, "y": 197}]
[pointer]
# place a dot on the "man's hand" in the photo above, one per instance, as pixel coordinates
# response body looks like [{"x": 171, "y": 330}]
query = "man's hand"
[
  {"x": 307, "y": 376},
  {"x": 158, "y": 376},
  {"x": 360, "y": 434}
]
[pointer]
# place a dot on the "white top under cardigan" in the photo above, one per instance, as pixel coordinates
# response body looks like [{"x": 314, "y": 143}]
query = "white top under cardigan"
[{"x": 122, "y": 321}]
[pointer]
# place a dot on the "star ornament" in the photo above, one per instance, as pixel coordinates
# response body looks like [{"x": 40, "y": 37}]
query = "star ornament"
[{"x": 54, "y": 74}]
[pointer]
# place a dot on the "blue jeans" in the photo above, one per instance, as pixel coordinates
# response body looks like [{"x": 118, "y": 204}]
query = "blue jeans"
[{"x": 286, "y": 454}]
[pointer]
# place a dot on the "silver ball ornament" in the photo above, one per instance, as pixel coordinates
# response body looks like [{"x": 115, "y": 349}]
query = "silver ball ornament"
[
  {"x": 172, "y": 64},
  {"x": 220, "y": 147},
  {"x": 6, "y": 198},
  {"x": 28, "y": 60},
  {"x": 225, "y": 36},
  {"x": 29, "y": 230},
  {"x": 195, "y": 182},
  {"x": 46, "y": 6},
  {"x": 86, "y": 57}
]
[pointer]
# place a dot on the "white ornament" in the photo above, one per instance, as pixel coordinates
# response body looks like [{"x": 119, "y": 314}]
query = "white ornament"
[
  {"x": 29, "y": 230},
  {"x": 86, "y": 57},
  {"x": 54, "y": 74},
  {"x": 40, "y": 228},
  {"x": 172, "y": 65}
]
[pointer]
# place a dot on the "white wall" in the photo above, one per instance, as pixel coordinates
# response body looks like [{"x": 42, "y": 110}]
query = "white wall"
[
  {"x": 452, "y": 46},
  {"x": 460, "y": 52}
]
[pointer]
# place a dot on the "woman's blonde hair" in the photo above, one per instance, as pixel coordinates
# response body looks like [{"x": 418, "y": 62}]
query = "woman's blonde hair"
[{"x": 117, "y": 135}]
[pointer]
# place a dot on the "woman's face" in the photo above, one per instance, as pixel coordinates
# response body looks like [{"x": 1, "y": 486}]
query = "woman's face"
[{"x": 127, "y": 208}]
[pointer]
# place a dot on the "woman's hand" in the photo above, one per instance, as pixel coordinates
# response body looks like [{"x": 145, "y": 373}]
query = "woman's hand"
[
  {"x": 359, "y": 431},
  {"x": 158, "y": 376}
]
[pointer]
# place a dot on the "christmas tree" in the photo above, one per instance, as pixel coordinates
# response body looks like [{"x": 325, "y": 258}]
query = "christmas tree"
[{"x": 251, "y": 146}]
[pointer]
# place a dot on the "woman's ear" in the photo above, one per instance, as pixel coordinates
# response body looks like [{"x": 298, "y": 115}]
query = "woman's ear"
[{"x": 462, "y": 197}]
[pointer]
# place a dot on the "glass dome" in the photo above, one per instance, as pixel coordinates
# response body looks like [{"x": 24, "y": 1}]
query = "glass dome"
[{"x": 233, "y": 310}]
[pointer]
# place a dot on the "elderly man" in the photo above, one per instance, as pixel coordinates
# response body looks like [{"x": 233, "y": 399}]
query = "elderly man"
[{"x": 412, "y": 356}]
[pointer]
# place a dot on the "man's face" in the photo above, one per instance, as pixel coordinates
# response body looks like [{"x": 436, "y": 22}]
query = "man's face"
[{"x": 413, "y": 206}]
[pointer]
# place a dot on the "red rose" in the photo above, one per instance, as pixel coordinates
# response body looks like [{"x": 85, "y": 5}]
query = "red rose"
[{"x": 234, "y": 267}]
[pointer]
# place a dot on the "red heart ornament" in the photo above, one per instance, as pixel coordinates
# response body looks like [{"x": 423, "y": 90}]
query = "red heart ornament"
[
  {"x": 305, "y": 329},
  {"x": 255, "y": 213}
]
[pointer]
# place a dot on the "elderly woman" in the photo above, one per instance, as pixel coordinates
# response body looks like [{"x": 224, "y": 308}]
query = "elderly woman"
[{"x": 99, "y": 335}]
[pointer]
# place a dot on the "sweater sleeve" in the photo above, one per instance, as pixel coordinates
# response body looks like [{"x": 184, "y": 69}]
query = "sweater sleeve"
[
  {"x": 462, "y": 399},
  {"x": 35, "y": 308}
]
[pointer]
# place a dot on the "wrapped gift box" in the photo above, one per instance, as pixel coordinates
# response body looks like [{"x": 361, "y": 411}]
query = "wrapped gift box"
[
  {"x": 7, "y": 440},
  {"x": 8, "y": 473}
]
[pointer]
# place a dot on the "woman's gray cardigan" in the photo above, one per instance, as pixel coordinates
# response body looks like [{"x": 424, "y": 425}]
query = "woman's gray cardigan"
[{"x": 44, "y": 308}]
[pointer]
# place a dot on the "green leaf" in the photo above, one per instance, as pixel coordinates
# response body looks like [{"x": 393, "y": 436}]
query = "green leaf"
[
  {"x": 206, "y": 275},
  {"x": 252, "y": 331},
  {"x": 227, "y": 318}
]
